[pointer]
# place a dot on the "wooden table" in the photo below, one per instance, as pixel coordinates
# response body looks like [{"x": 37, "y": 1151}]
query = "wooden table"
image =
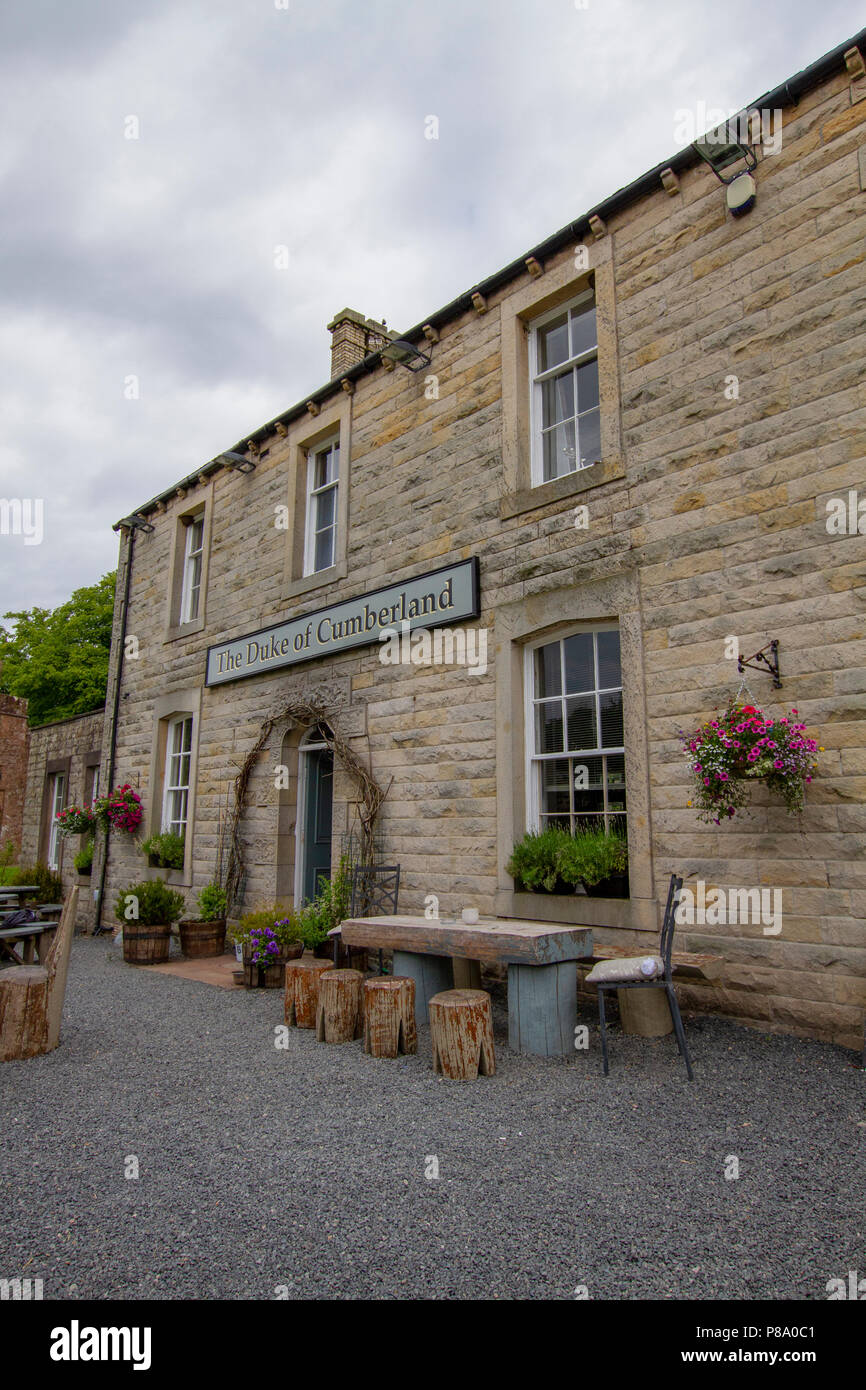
[
  {"x": 13, "y": 892},
  {"x": 33, "y": 938},
  {"x": 542, "y": 975}
]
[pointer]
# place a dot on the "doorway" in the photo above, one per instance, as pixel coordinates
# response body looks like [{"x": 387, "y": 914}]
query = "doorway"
[{"x": 313, "y": 828}]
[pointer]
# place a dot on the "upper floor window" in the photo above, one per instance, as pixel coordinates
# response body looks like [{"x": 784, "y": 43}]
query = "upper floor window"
[
  {"x": 175, "y": 788},
  {"x": 575, "y": 752},
  {"x": 565, "y": 419},
  {"x": 323, "y": 481},
  {"x": 192, "y": 569}
]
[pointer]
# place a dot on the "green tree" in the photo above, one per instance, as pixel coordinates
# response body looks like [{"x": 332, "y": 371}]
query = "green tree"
[{"x": 57, "y": 659}]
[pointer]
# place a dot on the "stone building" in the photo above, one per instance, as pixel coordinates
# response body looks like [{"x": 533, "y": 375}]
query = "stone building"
[
  {"x": 14, "y": 747},
  {"x": 616, "y": 453},
  {"x": 63, "y": 769}
]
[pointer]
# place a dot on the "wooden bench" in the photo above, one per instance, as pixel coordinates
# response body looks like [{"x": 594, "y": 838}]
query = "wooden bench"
[{"x": 541, "y": 960}]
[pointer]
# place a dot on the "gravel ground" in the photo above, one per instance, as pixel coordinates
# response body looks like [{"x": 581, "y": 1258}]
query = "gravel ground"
[{"x": 306, "y": 1167}]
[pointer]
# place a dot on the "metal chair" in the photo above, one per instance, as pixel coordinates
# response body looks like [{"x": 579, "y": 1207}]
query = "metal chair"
[
  {"x": 375, "y": 889},
  {"x": 622, "y": 973}
]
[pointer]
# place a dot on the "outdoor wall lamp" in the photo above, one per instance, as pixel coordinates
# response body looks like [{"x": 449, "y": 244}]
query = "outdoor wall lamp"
[
  {"x": 136, "y": 522},
  {"x": 721, "y": 151},
  {"x": 399, "y": 351},
  {"x": 236, "y": 461}
]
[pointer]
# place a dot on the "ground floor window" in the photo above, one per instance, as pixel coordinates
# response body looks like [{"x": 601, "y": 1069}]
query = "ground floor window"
[
  {"x": 56, "y": 800},
  {"x": 575, "y": 748},
  {"x": 175, "y": 794}
]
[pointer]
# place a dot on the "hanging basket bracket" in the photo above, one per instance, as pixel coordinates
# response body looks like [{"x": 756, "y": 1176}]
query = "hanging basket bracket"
[{"x": 769, "y": 663}]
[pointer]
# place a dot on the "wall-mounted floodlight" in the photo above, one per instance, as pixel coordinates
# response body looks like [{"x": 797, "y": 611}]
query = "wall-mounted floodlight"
[
  {"x": 136, "y": 522},
  {"x": 723, "y": 151},
  {"x": 236, "y": 461},
  {"x": 399, "y": 351}
]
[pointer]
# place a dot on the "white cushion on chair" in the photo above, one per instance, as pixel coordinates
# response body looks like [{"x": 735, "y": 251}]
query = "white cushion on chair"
[{"x": 626, "y": 969}]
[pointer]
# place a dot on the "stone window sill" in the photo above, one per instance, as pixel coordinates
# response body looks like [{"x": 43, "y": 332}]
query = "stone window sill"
[
  {"x": 184, "y": 629},
  {"x": 320, "y": 580},
  {"x": 528, "y": 499}
]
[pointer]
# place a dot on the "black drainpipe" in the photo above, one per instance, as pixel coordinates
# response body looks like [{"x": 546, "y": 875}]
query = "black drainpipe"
[{"x": 130, "y": 542}]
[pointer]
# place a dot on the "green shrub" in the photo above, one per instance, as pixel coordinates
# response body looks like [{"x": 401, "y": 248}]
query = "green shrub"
[
  {"x": 50, "y": 885},
  {"x": 84, "y": 858},
  {"x": 591, "y": 855},
  {"x": 212, "y": 903},
  {"x": 8, "y": 855},
  {"x": 167, "y": 849},
  {"x": 534, "y": 858},
  {"x": 328, "y": 909},
  {"x": 282, "y": 919},
  {"x": 157, "y": 903}
]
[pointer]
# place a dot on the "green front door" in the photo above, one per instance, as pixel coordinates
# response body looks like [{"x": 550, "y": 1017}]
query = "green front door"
[{"x": 318, "y": 802}]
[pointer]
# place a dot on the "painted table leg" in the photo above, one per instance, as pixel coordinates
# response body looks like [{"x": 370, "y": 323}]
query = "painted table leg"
[
  {"x": 542, "y": 1008},
  {"x": 432, "y": 974}
]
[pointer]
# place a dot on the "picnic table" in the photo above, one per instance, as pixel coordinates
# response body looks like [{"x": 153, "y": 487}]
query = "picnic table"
[
  {"x": 542, "y": 977},
  {"x": 14, "y": 892},
  {"x": 33, "y": 938}
]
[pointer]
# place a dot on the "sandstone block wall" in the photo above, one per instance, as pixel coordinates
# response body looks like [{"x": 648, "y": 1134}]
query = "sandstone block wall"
[{"x": 708, "y": 515}]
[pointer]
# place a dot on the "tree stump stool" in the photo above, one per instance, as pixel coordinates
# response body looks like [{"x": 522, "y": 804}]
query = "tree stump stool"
[
  {"x": 461, "y": 1030},
  {"x": 340, "y": 1007},
  {"x": 302, "y": 991},
  {"x": 645, "y": 1012},
  {"x": 389, "y": 1016}
]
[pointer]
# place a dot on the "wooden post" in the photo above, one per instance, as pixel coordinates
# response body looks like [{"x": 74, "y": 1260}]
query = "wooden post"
[
  {"x": 542, "y": 1008},
  {"x": 302, "y": 991},
  {"x": 645, "y": 1012},
  {"x": 432, "y": 975},
  {"x": 461, "y": 1030},
  {"x": 23, "y": 1012},
  {"x": 340, "y": 1009},
  {"x": 389, "y": 1016},
  {"x": 467, "y": 973}
]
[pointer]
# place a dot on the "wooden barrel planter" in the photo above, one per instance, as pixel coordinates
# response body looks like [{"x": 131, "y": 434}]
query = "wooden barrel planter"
[
  {"x": 271, "y": 976},
  {"x": 146, "y": 945},
  {"x": 198, "y": 939}
]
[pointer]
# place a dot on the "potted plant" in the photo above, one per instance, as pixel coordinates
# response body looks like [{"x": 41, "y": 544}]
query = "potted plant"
[
  {"x": 327, "y": 910},
  {"x": 205, "y": 935},
  {"x": 269, "y": 938},
  {"x": 726, "y": 755},
  {"x": 533, "y": 863},
  {"x": 146, "y": 912},
  {"x": 165, "y": 850},
  {"x": 597, "y": 859},
  {"x": 83, "y": 860}
]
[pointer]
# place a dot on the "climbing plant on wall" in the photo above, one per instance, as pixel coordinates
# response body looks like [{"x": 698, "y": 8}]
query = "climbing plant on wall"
[{"x": 304, "y": 714}]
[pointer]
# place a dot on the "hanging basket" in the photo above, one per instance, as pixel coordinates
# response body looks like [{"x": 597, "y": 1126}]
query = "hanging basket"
[{"x": 744, "y": 745}]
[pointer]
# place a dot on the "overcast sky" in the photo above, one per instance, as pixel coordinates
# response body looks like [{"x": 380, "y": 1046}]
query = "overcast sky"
[{"x": 261, "y": 126}]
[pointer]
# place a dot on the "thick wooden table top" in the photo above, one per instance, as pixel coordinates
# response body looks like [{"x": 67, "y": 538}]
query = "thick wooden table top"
[{"x": 504, "y": 939}]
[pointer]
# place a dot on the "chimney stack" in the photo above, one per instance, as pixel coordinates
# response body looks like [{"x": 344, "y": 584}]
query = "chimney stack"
[{"x": 352, "y": 338}]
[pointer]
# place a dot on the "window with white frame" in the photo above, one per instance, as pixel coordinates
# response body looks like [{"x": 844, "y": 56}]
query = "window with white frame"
[
  {"x": 323, "y": 481},
  {"x": 192, "y": 567},
  {"x": 56, "y": 796},
  {"x": 575, "y": 749},
  {"x": 565, "y": 417},
  {"x": 175, "y": 789}
]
